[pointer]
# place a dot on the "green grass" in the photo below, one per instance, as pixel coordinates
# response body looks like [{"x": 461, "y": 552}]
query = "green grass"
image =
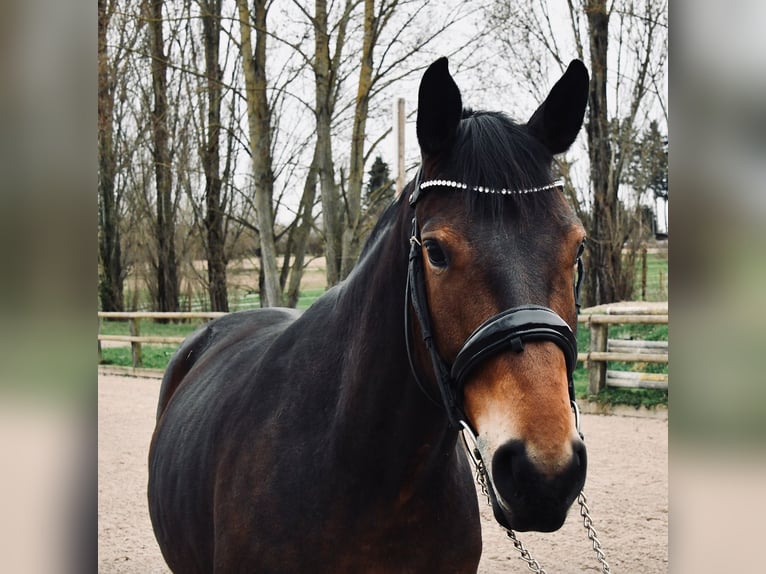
[
  {"x": 633, "y": 397},
  {"x": 150, "y": 327},
  {"x": 308, "y": 297},
  {"x": 656, "y": 277},
  {"x": 152, "y": 356}
]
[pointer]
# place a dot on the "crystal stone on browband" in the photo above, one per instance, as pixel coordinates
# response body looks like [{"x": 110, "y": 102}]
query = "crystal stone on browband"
[{"x": 423, "y": 186}]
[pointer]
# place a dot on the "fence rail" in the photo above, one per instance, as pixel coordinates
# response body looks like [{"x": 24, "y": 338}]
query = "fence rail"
[
  {"x": 136, "y": 339},
  {"x": 598, "y": 319},
  {"x": 157, "y": 315}
]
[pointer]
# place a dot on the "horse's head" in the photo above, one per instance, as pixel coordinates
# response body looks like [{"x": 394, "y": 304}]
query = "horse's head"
[{"x": 485, "y": 252}]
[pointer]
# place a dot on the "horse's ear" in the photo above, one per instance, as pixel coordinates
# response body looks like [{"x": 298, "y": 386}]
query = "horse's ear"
[
  {"x": 559, "y": 118},
  {"x": 439, "y": 109}
]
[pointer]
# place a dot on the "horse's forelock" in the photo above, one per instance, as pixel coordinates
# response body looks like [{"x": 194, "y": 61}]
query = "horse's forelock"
[{"x": 494, "y": 151}]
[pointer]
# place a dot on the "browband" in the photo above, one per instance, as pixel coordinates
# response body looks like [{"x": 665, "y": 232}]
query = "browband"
[{"x": 423, "y": 186}]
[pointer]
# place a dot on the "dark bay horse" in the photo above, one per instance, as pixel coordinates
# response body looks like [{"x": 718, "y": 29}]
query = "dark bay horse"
[{"x": 328, "y": 441}]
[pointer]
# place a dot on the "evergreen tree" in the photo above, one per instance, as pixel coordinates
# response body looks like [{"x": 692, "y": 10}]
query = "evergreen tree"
[
  {"x": 648, "y": 169},
  {"x": 380, "y": 186}
]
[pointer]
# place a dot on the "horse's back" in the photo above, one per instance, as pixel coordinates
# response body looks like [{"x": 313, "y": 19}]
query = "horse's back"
[{"x": 258, "y": 327}]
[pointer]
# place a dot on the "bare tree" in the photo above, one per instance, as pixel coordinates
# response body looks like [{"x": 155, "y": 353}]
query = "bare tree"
[
  {"x": 371, "y": 25},
  {"x": 259, "y": 122},
  {"x": 200, "y": 153},
  {"x": 326, "y": 67},
  {"x": 341, "y": 58},
  {"x": 211, "y": 158},
  {"x": 167, "y": 273},
  {"x": 604, "y": 256},
  {"x": 299, "y": 235},
  {"x": 625, "y": 43},
  {"x": 611, "y": 140},
  {"x": 111, "y": 272}
]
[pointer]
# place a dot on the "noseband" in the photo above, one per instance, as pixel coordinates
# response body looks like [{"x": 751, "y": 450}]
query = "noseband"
[{"x": 508, "y": 330}]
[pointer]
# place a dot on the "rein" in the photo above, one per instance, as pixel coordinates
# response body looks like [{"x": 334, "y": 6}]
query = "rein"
[{"x": 509, "y": 329}]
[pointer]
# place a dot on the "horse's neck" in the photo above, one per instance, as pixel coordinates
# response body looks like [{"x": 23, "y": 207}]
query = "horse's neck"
[
  {"x": 372, "y": 300},
  {"x": 380, "y": 399}
]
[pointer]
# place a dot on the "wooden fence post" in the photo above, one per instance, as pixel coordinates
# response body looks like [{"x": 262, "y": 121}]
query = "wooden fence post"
[
  {"x": 599, "y": 334},
  {"x": 135, "y": 346},
  {"x": 643, "y": 273}
]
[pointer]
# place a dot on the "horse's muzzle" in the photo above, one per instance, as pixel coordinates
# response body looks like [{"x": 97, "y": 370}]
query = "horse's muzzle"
[{"x": 529, "y": 499}]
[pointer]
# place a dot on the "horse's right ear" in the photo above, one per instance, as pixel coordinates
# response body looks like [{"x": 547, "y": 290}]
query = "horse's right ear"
[
  {"x": 440, "y": 108},
  {"x": 559, "y": 118}
]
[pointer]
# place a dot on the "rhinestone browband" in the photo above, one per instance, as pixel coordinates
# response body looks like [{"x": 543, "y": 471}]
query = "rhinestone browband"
[{"x": 481, "y": 189}]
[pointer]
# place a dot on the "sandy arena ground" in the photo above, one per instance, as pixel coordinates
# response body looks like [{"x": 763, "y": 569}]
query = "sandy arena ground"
[{"x": 627, "y": 490}]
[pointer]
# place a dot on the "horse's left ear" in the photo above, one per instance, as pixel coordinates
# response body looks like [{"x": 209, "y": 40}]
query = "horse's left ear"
[
  {"x": 559, "y": 118},
  {"x": 439, "y": 109}
]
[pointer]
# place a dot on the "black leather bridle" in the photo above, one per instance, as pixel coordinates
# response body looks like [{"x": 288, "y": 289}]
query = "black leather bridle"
[{"x": 509, "y": 329}]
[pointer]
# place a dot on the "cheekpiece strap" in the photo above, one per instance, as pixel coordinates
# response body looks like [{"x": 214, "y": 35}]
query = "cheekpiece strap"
[{"x": 416, "y": 295}]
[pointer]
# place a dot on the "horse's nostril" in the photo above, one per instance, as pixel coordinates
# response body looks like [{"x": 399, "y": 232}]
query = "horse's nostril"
[{"x": 511, "y": 461}]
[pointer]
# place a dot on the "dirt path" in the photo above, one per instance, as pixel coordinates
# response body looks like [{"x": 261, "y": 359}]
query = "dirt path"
[{"x": 627, "y": 489}]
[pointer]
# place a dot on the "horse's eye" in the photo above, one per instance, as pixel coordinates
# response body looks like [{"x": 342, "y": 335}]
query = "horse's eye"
[
  {"x": 436, "y": 254},
  {"x": 580, "y": 250}
]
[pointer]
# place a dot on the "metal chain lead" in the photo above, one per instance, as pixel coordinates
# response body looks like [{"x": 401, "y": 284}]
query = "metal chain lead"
[
  {"x": 524, "y": 554},
  {"x": 532, "y": 564},
  {"x": 592, "y": 535}
]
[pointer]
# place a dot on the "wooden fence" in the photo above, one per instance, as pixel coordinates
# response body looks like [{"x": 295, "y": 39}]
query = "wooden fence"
[
  {"x": 602, "y": 349},
  {"x": 135, "y": 338},
  {"x": 597, "y": 319}
]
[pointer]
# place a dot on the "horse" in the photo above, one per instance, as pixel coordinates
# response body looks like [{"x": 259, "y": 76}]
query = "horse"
[{"x": 328, "y": 441}]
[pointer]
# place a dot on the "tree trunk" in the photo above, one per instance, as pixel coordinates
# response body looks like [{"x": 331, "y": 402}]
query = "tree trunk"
[
  {"x": 302, "y": 232},
  {"x": 214, "y": 215},
  {"x": 604, "y": 255},
  {"x": 259, "y": 123},
  {"x": 351, "y": 234},
  {"x": 166, "y": 267},
  {"x": 110, "y": 272},
  {"x": 324, "y": 78}
]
